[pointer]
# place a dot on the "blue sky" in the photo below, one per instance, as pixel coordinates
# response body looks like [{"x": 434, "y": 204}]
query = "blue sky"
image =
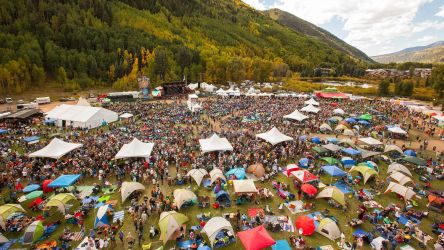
[{"x": 374, "y": 26}]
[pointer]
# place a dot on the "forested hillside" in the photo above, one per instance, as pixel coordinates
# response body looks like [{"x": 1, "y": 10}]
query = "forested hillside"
[{"x": 82, "y": 43}]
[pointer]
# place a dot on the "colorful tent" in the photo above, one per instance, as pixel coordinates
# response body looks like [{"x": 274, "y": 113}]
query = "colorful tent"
[
  {"x": 65, "y": 180},
  {"x": 330, "y": 160},
  {"x": 197, "y": 174},
  {"x": 239, "y": 173},
  {"x": 33, "y": 232},
  {"x": 309, "y": 189},
  {"x": 290, "y": 168},
  {"x": 256, "y": 238},
  {"x": 181, "y": 196},
  {"x": 31, "y": 188},
  {"x": 7, "y": 210},
  {"x": 281, "y": 245},
  {"x": 45, "y": 187},
  {"x": 305, "y": 224},
  {"x": 214, "y": 226},
  {"x": 329, "y": 229},
  {"x": 347, "y": 161},
  {"x": 410, "y": 152},
  {"x": 129, "y": 187},
  {"x": 101, "y": 216},
  {"x": 257, "y": 169},
  {"x": 366, "y": 117},
  {"x": 60, "y": 201},
  {"x": 304, "y": 176},
  {"x": 366, "y": 171},
  {"x": 169, "y": 223},
  {"x": 351, "y": 151},
  {"x": 31, "y": 196},
  {"x": 333, "y": 193}
]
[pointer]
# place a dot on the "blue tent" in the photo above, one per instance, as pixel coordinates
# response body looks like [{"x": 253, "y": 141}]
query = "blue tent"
[
  {"x": 281, "y": 245},
  {"x": 304, "y": 162},
  {"x": 101, "y": 216},
  {"x": 31, "y": 188},
  {"x": 347, "y": 161},
  {"x": 31, "y": 139},
  {"x": 333, "y": 120},
  {"x": 333, "y": 171},
  {"x": 363, "y": 122},
  {"x": 316, "y": 140},
  {"x": 3, "y": 131},
  {"x": 222, "y": 196},
  {"x": 64, "y": 180},
  {"x": 359, "y": 233},
  {"x": 350, "y": 120},
  {"x": 350, "y": 151},
  {"x": 303, "y": 138},
  {"x": 332, "y": 140},
  {"x": 238, "y": 172},
  {"x": 410, "y": 152}
]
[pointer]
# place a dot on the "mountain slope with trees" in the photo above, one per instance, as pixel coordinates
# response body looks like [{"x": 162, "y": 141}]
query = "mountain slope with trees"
[{"x": 84, "y": 43}]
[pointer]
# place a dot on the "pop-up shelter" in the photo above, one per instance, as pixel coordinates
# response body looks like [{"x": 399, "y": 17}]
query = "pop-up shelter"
[
  {"x": 274, "y": 136},
  {"x": 215, "y": 143},
  {"x": 197, "y": 174},
  {"x": 297, "y": 116},
  {"x": 61, "y": 201},
  {"x": 135, "y": 149},
  {"x": 56, "y": 149},
  {"x": 8, "y": 210},
  {"x": 256, "y": 238},
  {"x": 65, "y": 180}
]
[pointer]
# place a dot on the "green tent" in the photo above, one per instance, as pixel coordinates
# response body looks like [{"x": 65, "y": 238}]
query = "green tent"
[
  {"x": 331, "y": 160},
  {"x": 415, "y": 160},
  {"x": 33, "y": 232},
  {"x": 34, "y": 195},
  {"x": 320, "y": 150},
  {"x": 366, "y": 117}
]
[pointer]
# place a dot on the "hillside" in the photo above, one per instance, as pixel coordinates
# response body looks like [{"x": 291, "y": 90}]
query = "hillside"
[
  {"x": 297, "y": 24},
  {"x": 82, "y": 43},
  {"x": 432, "y": 53}
]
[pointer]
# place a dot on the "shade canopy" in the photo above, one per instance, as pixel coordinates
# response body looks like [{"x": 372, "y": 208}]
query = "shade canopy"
[
  {"x": 351, "y": 151},
  {"x": 334, "y": 193},
  {"x": 397, "y": 130},
  {"x": 169, "y": 223},
  {"x": 181, "y": 196},
  {"x": 65, "y": 180},
  {"x": 305, "y": 224},
  {"x": 216, "y": 174},
  {"x": 311, "y": 102},
  {"x": 126, "y": 115},
  {"x": 135, "y": 149},
  {"x": 330, "y": 160},
  {"x": 56, "y": 149},
  {"x": 365, "y": 171},
  {"x": 274, "y": 136},
  {"x": 333, "y": 171},
  {"x": 401, "y": 178},
  {"x": 256, "y": 238},
  {"x": 129, "y": 187},
  {"x": 244, "y": 186},
  {"x": 297, "y": 116},
  {"x": 370, "y": 141},
  {"x": 214, "y": 226},
  {"x": 405, "y": 192},
  {"x": 197, "y": 174},
  {"x": 215, "y": 143},
  {"x": 101, "y": 216},
  {"x": 332, "y": 147},
  {"x": 31, "y": 188},
  {"x": 310, "y": 109},
  {"x": 399, "y": 168}
]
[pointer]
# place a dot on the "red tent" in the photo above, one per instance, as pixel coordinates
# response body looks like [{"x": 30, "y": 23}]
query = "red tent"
[
  {"x": 309, "y": 189},
  {"x": 306, "y": 224},
  {"x": 256, "y": 238},
  {"x": 304, "y": 176},
  {"x": 45, "y": 187},
  {"x": 291, "y": 168}
]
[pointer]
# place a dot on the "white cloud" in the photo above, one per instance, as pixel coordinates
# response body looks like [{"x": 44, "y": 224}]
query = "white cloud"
[
  {"x": 370, "y": 24},
  {"x": 440, "y": 12},
  {"x": 427, "y": 39},
  {"x": 257, "y": 4}
]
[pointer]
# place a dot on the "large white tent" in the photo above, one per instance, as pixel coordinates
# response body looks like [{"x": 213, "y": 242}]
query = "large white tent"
[
  {"x": 370, "y": 141},
  {"x": 274, "y": 136},
  {"x": 214, "y": 226},
  {"x": 296, "y": 115},
  {"x": 135, "y": 149},
  {"x": 56, "y": 149},
  {"x": 244, "y": 186},
  {"x": 310, "y": 109},
  {"x": 311, "y": 102},
  {"x": 215, "y": 143},
  {"x": 405, "y": 192},
  {"x": 78, "y": 116},
  {"x": 397, "y": 130}
]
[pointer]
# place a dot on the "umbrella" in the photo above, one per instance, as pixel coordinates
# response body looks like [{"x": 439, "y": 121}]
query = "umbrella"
[
  {"x": 31, "y": 188},
  {"x": 304, "y": 162},
  {"x": 306, "y": 224},
  {"x": 410, "y": 152},
  {"x": 363, "y": 122},
  {"x": 316, "y": 140},
  {"x": 169, "y": 223},
  {"x": 309, "y": 189}
]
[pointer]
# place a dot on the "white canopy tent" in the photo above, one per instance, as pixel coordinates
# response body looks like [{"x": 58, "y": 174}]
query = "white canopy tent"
[
  {"x": 401, "y": 178},
  {"x": 244, "y": 186},
  {"x": 135, "y": 149},
  {"x": 274, "y": 136},
  {"x": 397, "y": 130},
  {"x": 129, "y": 187},
  {"x": 126, "y": 115},
  {"x": 311, "y": 102},
  {"x": 215, "y": 143},
  {"x": 405, "y": 192},
  {"x": 83, "y": 102},
  {"x": 310, "y": 109},
  {"x": 56, "y": 149},
  {"x": 214, "y": 226},
  {"x": 370, "y": 141},
  {"x": 197, "y": 174},
  {"x": 296, "y": 115},
  {"x": 396, "y": 167},
  {"x": 81, "y": 116}
]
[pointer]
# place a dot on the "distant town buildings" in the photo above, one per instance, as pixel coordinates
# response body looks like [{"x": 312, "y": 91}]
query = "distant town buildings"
[{"x": 403, "y": 74}]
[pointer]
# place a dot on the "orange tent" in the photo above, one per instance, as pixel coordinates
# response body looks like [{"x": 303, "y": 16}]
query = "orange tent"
[
  {"x": 257, "y": 169},
  {"x": 256, "y": 238}
]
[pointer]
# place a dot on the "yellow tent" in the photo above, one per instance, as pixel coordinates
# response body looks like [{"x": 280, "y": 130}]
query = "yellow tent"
[
  {"x": 8, "y": 209},
  {"x": 61, "y": 201},
  {"x": 366, "y": 172}
]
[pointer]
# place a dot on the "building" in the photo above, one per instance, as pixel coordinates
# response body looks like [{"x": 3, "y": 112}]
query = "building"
[{"x": 403, "y": 74}]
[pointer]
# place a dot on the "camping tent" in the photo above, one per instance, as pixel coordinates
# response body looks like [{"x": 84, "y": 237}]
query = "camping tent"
[
  {"x": 296, "y": 115},
  {"x": 366, "y": 117},
  {"x": 310, "y": 109},
  {"x": 333, "y": 193},
  {"x": 197, "y": 174},
  {"x": 101, "y": 216},
  {"x": 348, "y": 132},
  {"x": 181, "y": 196},
  {"x": 311, "y": 102},
  {"x": 238, "y": 173},
  {"x": 257, "y": 169},
  {"x": 244, "y": 186},
  {"x": 129, "y": 187},
  {"x": 366, "y": 171},
  {"x": 304, "y": 176},
  {"x": 7, "y": 210},
  {"x": 333, "y": 171},
  {"x": 135, "y": 149},
  {"x": 214, "y": 226},
  {"x": 65, "y": 180},
  {"x": 338, "y": 111},
  {"x": 56, "y": 149},
  {"x": 274, "y": 136},
  {"x": 61, "y": 201},
  {"x": 329, "y": 229},
  {"x": 169, "y": 223},
  {"x": 325, "y": 127},
  {"x": 405, "y": 192},
  {"x": 397, "y": 130},
  {"x": 341, "y": 127},
  {"x": 216, "y": 174},
  {"x": 370, "y": 141},
  {"x": 215, "y": 143},
  {"x": 330, "y": 160},
  {"x": 398, "y": 167},
  {"x": 401, "y": 178},
  {"x": 81, "y": 116},
  {"x": 347, "y": 161},
  {"x": 389, "y": 148},
  {"x": 33, "y": 232},
  {"x": 415, "y": 160},
  {"x": 256, "y": 238}
]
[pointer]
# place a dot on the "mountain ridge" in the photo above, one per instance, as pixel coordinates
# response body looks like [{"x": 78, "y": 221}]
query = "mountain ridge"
[{"x": 431, "y": 53}]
